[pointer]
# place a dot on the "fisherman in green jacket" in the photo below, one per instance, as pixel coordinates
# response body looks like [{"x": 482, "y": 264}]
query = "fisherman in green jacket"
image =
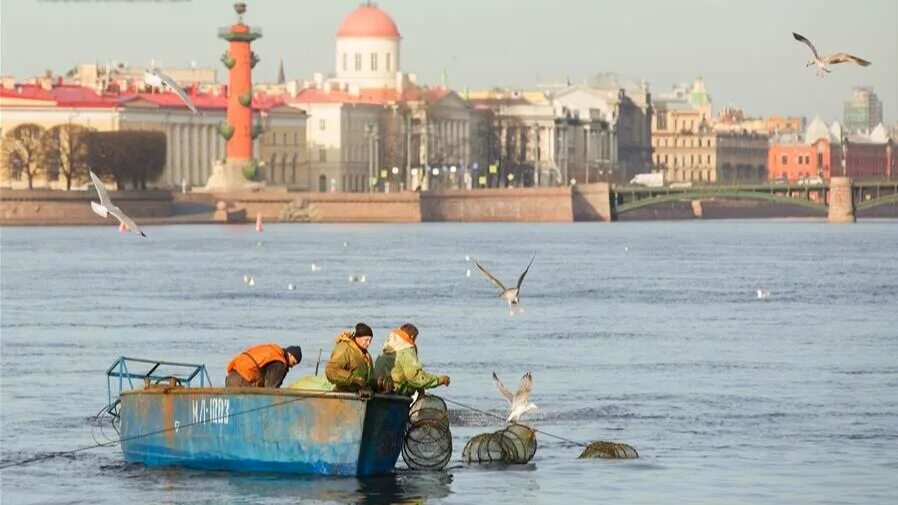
[
  {"x": 349, "y": 367},
  {"x": 398, "y": 363}
]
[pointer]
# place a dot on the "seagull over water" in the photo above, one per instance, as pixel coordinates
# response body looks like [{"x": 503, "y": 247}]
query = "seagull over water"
[
  {"x": 519, "y": 402},
  {"x": 763, "y": 294},
  {"x": 105, "y": 207},
  {"x": 157, "y": 78},
  {"x": 510, "y": 295},
  {"x": 824, "y": 61}
]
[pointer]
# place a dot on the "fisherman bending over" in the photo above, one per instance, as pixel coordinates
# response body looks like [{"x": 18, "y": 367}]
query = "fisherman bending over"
[
  {"x": 398, "y": 363},
  {"x": 349, "y": 367},
  {"x": 262, "y": 366}
]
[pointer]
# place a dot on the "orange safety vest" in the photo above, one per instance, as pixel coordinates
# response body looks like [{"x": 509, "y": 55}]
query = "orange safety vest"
[{"x": 249, "y": 363}]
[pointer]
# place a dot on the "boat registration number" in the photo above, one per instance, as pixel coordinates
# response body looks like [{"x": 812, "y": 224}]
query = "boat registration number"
[{"x": 211, "y": 410}]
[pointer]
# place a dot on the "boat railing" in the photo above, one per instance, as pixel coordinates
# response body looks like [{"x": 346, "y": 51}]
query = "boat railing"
[{"x": 122, "y": 374}]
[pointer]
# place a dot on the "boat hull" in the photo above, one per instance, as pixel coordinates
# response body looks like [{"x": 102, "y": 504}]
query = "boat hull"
[{"x": 263, "y": 430}]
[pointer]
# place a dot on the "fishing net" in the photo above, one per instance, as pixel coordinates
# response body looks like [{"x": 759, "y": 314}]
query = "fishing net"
[
  {"x": 609, "y": 450},
  {"x": 428, "y": 442},
  {"x": 514, "y": 444}
]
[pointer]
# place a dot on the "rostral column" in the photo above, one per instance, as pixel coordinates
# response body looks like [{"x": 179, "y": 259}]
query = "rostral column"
[{"x": 240, "y": 60}]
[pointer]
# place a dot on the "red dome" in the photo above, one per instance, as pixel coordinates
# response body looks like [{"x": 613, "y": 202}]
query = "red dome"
[{"x": 368, "y": 21}]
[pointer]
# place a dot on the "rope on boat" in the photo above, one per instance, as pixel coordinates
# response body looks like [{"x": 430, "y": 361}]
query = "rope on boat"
[
  {"x": 58, "y": 454},
  {"x": 503, "y": 420}
]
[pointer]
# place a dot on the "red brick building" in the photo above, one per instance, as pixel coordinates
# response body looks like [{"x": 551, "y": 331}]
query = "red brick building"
[{"x": 819, "y": 151}]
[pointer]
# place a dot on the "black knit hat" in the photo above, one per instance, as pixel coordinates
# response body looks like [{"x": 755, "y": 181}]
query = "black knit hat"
[
  {"x": 296, "y": 352},
  {"x": 362, "y": 330}
]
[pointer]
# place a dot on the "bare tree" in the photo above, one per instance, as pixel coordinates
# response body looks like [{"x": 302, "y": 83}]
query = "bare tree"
[
  {"x": 22, "y": 151},
  {"x": 127, "y": 156},
  {"x": 65, "y": 147}
]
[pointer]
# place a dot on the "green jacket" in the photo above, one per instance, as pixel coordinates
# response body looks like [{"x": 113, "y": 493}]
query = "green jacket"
[
  {"x": 348, "y": 360},
  {"x": 399, "y": 361}
]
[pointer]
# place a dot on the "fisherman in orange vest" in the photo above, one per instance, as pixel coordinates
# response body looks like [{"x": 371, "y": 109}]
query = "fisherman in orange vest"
[{"x": 262, "y": 366}]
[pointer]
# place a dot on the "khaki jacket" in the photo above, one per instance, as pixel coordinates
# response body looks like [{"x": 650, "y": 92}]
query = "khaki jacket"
[{"x": 348, "y": 360}]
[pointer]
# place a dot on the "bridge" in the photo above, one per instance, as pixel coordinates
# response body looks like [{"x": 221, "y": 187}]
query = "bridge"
[{"x": 865, "y": 195}]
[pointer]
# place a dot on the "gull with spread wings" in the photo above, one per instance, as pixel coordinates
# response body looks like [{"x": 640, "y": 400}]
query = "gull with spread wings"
[
  {"x": 105, "y": 207},
  {"x": 510, "y": 295},
  {"x": 157, "y": 78},
  {"x": 520, "y": 403},
  {"x": 823, "y": 62}
]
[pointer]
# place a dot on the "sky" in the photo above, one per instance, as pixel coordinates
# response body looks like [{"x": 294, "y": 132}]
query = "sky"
[{"x": 744, "y": 50}]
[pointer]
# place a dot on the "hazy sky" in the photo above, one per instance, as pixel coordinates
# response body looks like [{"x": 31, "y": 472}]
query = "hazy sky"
[{"x": 744, "y": 49}]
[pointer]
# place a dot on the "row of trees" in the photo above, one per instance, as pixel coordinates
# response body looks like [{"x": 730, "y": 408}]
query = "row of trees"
[{"x": 68, "y": 150}]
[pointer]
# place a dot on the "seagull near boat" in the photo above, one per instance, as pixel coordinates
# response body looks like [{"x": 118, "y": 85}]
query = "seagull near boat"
[
  {"x": 519, "y": 401},
  {"x": 823, "y": 62},
  {"x": 510, "y": 295},
  {"x": 106, "y": 208}
]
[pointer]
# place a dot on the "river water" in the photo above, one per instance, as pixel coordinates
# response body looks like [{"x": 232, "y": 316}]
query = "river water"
[{"x": 649, "y": 333}]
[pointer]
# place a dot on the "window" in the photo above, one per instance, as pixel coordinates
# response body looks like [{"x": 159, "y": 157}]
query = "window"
[
  {"x": 285, "y": 138},
  {"x": 709, "y": 160},
  {"x": 322, "y": 155},
  {"x": 374, "y": 62},
  {"x": 322, "y": 124},
  {"x": 358, "y": 62},
  {"x": 295, "y": 139},
  {"x": 344, "y": 62},
  {"x": 389, "y": 56},
  {"x": 274, "y": 139},
  {"x": 785, "y": 160}
]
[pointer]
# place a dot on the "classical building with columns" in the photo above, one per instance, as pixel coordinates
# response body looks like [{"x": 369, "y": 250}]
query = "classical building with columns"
[
  {"x": 599, "y": 130},
  {"x": 193, "y": 144}
]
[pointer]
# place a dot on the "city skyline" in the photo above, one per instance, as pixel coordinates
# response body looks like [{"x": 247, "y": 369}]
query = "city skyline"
[{"x": 579, "y": 39}]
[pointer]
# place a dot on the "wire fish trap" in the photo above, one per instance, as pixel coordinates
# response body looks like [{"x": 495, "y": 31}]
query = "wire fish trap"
[
  {"x": 609, "y": 450},
  {"x": 515, "y": 444},
  {"x": 428, "y": 441}
]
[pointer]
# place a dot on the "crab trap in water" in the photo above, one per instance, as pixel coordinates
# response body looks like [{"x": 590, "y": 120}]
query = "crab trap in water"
[
  {"x": 609, "y": 450},
  {"x": 428, "y": 442},
  {"x": 515, "y": 444}
]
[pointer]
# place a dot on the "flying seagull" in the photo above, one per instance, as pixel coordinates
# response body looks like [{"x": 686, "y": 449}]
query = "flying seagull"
[
  {"x": 518, "y": 402},
  {"x": 105, "y": 207},
  {"x": 510, "y": 295},
  {"x": 157, "y": 78},
  {"x": 824, "y": 61}
]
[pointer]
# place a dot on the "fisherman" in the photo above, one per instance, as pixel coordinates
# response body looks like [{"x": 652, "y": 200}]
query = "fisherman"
[
  {"x": 262, "y": 366},
  {"x": 350, "y": 366},
  {"x": 398, "y": 363}
]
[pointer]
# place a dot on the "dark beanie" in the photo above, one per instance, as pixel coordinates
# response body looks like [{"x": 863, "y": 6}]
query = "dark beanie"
[
  {"x": 295, "y": 351},
  {"x": 362, "y": 330}
]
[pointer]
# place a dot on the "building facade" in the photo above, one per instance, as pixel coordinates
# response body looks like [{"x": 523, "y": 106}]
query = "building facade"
[
  {"x": 193, "y": 144},
  {"x": 372, "y": 127},
  {"x": 821, "y": 150},
  {"x": 688, "y": 148},
  {"x": 863, "y": 111}
]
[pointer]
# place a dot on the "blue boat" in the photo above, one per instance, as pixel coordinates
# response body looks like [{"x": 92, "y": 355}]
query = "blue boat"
[{"x": 171, "y": 422}]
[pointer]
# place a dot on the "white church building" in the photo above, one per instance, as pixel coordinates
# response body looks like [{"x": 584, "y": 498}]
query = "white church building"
[{"x": 370, "y": 126}]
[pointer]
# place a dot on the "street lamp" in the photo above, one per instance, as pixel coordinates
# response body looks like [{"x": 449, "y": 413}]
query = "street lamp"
[{"x": 372, "y": 136}]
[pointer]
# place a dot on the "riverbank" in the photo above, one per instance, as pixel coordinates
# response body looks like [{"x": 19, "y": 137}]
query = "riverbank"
[{"x": 584, "y": 202}]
